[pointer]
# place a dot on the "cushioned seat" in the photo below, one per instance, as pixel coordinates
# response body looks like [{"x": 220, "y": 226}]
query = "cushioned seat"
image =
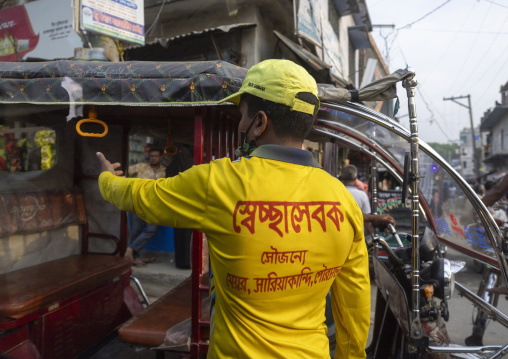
[
  {"x": 149, "y": 327},
  {"x": 32, "y": 289}
]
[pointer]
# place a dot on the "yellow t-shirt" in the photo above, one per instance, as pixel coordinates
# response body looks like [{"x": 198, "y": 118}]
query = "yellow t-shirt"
[{"x": 280, "y": 235}]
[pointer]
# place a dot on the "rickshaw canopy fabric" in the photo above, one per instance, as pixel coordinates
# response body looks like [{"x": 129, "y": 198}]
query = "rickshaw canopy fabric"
[
  {"x": 134, "y": 83},
  {"x": 149, "y": 83}
]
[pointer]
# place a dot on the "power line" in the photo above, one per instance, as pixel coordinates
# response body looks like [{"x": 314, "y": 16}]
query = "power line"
[
  {"x": 427, "y": 105},
  {"x": 424, "y": 16},
  {"x": 497, "y": 4},
  {"x": 467, "y": 56},
  {"x": 463, "y": 32},
  {"x": 432, "y": 117},
  {"x": 485, "y": 53}
]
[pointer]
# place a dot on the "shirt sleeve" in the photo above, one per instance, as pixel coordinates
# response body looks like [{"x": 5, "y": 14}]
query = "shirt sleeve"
[
  {"x": 178, "y": 201},
  {"x": 351, "y": 299},
  {"x": 367, "y": 204},
  {"x": 133, "y": 170}
]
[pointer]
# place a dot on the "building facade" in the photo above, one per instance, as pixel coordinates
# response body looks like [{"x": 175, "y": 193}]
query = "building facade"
[{"x": 495, "y": 124}]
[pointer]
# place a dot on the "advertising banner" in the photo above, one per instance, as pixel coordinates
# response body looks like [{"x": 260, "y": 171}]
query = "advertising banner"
[
  {"x": 332, "y": 55},
  {"x": 309, "y": 21},
  {"x": 40, "y": 29},
  {"x": 121, "y": 19}
]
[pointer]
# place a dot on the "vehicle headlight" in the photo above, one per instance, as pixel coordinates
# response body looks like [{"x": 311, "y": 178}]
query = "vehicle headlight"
[{"x": 448, "y": 279}]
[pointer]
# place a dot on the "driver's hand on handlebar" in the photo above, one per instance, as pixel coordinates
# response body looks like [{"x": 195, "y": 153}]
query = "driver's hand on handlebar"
[
  {"x": 382, "y": 221},
  {"x": 108, "y": 166}
]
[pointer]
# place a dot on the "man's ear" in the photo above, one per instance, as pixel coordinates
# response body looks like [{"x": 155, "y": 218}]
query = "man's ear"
[{"x": 259, "y": 126}]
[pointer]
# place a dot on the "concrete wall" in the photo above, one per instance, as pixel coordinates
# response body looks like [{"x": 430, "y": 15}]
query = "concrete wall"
[{"x": 499, "y": 137}]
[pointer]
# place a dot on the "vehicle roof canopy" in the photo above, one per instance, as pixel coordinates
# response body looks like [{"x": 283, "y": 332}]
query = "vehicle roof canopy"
[
  {"x": 144, "y": 83},
  {"x": 110, "y": 83}
]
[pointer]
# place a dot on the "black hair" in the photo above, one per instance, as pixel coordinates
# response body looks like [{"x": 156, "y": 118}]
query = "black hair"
[
  {"x": 286, "y": 123},
  {"x": 156, "y": 149},
  {"x": 349, "y": 173}
]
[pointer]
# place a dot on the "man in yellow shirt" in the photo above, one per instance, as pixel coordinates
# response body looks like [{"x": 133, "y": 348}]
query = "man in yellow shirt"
[{"x": 281, "y": 231}]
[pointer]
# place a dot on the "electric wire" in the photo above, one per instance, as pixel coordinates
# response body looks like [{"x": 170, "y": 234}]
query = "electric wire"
[
  {"x": 432, "y": 119},
  {"x": 424, "y": 16},
  {"x": 393, "y": 42},
  {"x": 494, "y": 78},
  {"x": 448, "y": 48},
  {"x": 497, "y": 4},
  {"x": 485, "y": 53},
  {"x": 432, "y": 116},
  {"x": 428, "y": 103},
  {"x": 156, "y": 18},
  {"x": 471, "y": 47},
  {"x": 462, "y": 32}
]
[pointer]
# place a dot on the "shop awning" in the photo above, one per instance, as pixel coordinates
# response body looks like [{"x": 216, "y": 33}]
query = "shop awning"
[
  {"x": 163, "y": 41},
  {"x": 319, "y": 69},
  {"x": 359, "y": 37}
]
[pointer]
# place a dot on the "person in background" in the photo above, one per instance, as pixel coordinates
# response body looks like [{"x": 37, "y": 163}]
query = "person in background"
[
  {"x": 436, "y": 206},
  {"x": 281, "y": 231},
  {"x": 142, "y": 232},
  {"x": 348, "y": 176}
]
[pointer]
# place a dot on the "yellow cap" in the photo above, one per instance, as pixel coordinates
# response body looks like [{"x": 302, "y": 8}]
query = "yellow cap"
[{"x": 278, "y": 81}]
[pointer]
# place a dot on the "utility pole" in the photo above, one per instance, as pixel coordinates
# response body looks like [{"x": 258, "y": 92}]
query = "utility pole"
[{"x": 475, "y": 159}]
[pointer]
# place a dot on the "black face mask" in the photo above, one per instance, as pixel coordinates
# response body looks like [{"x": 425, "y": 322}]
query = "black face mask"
[{"x": 245, "y": 148}]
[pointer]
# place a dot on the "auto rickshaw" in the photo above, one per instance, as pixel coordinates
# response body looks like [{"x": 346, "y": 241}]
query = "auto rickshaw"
[{"x": 63, "y": 272}]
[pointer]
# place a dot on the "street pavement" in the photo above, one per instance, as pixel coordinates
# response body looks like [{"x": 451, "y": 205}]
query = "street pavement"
[{"x": 461, "y": 309}]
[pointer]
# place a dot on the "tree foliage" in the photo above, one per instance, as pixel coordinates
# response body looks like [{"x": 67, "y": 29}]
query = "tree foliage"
[{"x": 448, "y": 151}]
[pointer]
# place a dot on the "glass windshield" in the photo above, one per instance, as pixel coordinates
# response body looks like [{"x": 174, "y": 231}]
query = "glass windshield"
[{"x": 449, "y": 209}]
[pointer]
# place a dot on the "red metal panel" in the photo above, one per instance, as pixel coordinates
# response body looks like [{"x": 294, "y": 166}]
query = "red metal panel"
[
  {"x": 227, "y": 135},
  {"x": 216, "y": 134},
  {"x": 73, "y": 326},
  {"x": 219, "y": 143},
  {"x": 208, "y": 139},
  {"x": 10, "y": 341},
  {"x": 197, "y": 243},
  {"x": 27, "y": 350}
]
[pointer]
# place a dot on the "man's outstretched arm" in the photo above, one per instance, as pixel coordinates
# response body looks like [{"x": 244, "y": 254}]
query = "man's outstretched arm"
[
  {"x": 497, "y": 192},
  {"x": 172, "y": 202}
]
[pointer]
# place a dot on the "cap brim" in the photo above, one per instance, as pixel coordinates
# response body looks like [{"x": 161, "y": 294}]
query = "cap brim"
[{"x": 234, "y": 98}]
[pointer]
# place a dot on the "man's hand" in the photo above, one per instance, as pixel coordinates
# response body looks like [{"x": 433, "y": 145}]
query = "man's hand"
[
  {"x": 384, "y": 219},
  {"x": 379, "y": 220},
  {"x": 107, "y": 166}
]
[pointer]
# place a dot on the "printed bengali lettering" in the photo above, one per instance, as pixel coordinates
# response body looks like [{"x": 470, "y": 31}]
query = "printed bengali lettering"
[
  {"x": 273, "y": 283},
  {"x": 277, "y": 257},
  {"x": 326, "y": 274},
  {"x": 237, "y": 283},
  {"x": 281, "y": 216}
]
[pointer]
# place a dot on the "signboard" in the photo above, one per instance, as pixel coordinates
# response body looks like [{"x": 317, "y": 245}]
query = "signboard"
[
  {"x": 389, "y": 200},
  {"x": 39, "y": 29},
  {"x": 332, "y": 50},
  {"x": 309, "y": 21},
  {"x": 121, "y": 19}
]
